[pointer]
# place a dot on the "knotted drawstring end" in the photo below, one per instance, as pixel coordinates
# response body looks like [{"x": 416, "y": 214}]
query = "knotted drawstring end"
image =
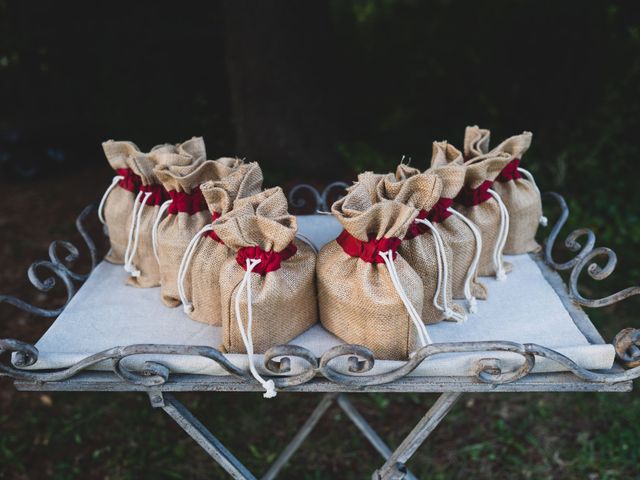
[
  {"x": 270, "y": 389},
  {"x": 473, "y": 305},
  {"x": 187, "y": 308},
  {"x": 453, "y": 316},
  {"x": 544, "y": 221},
  {"x": 501, "y": 276}
]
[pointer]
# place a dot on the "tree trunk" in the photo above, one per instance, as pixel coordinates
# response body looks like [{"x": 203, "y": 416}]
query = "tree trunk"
[{"x": 281, "y": 65}]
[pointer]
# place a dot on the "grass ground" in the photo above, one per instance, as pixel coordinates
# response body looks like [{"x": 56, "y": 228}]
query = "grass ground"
[{"x": 118, "y": 436}]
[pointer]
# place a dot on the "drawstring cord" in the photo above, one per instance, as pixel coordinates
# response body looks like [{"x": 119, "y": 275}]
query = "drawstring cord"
[
  {"x": 247, "y": 338},
  {"x": 423, "y": 335},
  {"x": 544, "y": 221},
  {"x": 468, "y": 295},
  {"x": 113, "y": 185},
  {"x": 156, "y": 224},
  {"x": 187, "y": 306},
  {"x": 443, "y": 274},
  {"x": 132, "y": 228},
  {"x": 502, "y": 237},
  {"x": 128, "y": 265}
]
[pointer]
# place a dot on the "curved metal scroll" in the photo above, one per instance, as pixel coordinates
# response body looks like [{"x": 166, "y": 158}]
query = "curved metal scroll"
[
  {"x": 598, "y": 273},
  {"x": 571, "y": 241},
  {"x": 60, "y": 268},
  {"x": 359, "y": 361},
  {"x": 321, "y": 200}
]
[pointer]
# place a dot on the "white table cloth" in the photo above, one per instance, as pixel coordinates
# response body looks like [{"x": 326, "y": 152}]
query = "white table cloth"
[{"x": 106, "y": 313}]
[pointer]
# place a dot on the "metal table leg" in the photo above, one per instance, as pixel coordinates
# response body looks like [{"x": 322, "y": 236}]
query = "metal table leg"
[
  {"x": 303, "y": 433},
  {"x": 366, "y": 430},
  {"x": 394, "y": 468},
  {"x": 201, "y": 435}
]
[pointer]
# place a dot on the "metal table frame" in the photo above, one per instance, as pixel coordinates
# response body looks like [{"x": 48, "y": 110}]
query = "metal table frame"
[{"x": 318, "y": 375}]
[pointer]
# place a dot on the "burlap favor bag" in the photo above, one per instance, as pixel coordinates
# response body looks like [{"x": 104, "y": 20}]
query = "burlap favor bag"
[
  {"x": 423, "y": 247},
  {"x": 458, "y": 233},
  {"x": 518, "y": 190},
  {"x": 117, "y": 202},
  {"x": 267, "y": 285},
  {"x": 140, "y": 260},
  {"x": 199, "y": 268},
  {"x": 479, "y": 203},
  {"x": 187, "y": 212},
  {"x": 368, "y": 294}
]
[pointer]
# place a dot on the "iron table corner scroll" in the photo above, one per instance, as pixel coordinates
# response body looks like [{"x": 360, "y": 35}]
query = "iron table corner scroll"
[{"x": 360, "y": 360}]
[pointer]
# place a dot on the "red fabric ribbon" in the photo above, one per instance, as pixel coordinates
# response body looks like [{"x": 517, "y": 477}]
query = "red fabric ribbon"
[
  {"x": 211, "y": 233},
  {"x": 367, "y": 251},
  {"x": 186, "y": 202},
  {"x": 510, "y": 172},
  {"x": 270, "y": 260},
  {"x": 158, "y": 194},
  {"x": 474, "y": 196},
  {"x": 130, "y": 182},
  {"x": 438, "y": 213}
]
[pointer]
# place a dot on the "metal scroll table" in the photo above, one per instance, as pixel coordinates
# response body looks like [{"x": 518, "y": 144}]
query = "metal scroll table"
[{"x": 324, "y": 365}]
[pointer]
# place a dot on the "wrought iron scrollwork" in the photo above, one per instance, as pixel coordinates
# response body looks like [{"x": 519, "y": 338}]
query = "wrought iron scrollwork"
[
  {"x": 60, "y": 268},
  {"x": 321, "y": 199},
  {"x": 360, "y": 361},
  {"x": 571, "y": 241},
  {"x": 627, "y": 345},
  {"x": 598, "y": 273}
]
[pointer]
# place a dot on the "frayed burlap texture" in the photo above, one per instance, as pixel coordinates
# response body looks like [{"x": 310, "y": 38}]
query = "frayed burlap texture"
[
  {"x": 522, "y": 199},
  {"x": 119, "y": 204},
  {"x": 176, "y": 230},
  {"x": 476, "y": 142},
  {"x": 201, "y": 282},
  {"x": 421, "y": 192},
  {"x": 457, "y": 236},
  {"x": 358, "y": 301},
  {"x": 143, "y": 165},
  {"x": 486, "y": 215},
  {"x": 283, "y": 300}
]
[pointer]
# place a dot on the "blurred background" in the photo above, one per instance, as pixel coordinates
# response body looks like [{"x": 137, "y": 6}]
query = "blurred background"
[{"x": 317, "y": 91}]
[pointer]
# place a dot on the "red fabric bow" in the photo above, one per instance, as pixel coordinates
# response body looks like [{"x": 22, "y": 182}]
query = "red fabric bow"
[
  {"x": 438, "y": 213},
  {"x": 269, "y": 261},
  {"x": 158, "y": 194},
  {"x": 211, "y": 233},
  {"x": 510, "y": 172},
  {"x": 186, "y": 202},
  {"x": 130, "y": 182},
  {"x": 367, "y": 251},
  {"x": 474, "y": 196}
]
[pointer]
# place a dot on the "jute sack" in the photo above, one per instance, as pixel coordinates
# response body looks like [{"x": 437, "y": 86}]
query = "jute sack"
[
  {"x": 140, "y": 260},
  {"x": 187, "y": 213},
  {"x": 520, "y": 194},
  {"x": 283, "y": 290},
  {"x": 117, "y": 203},
  {"x": 368, "y": 294},
  {"x": 423, "y": 247},
  {"x": 267, "y": 285},
  {"x": 118, "y": 200},
  {"x": 458, "y": 233},
  {"x": 199, "y": 270},
  {"x": 483, "y": 207}
]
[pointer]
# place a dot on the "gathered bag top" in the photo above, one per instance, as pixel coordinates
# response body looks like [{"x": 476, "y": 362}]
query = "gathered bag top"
[
  {"x": 244, "y": 181},
  {"x": 261, "y": 220},
  {"x": 362, "y": 218}
]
